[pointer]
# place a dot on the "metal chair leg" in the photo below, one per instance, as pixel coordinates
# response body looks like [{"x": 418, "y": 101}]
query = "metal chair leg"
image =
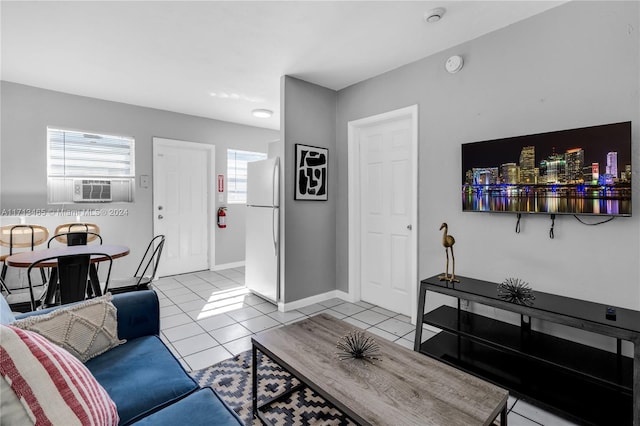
[{"x": 2, "y": 276}]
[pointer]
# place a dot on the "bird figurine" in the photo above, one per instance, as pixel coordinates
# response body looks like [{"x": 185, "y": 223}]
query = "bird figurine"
[{"x": 448, "y": 241}]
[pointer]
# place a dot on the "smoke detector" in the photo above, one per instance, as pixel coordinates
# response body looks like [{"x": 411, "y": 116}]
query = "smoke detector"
[
  {"x": 454, "y": 64},
  {"x": 434, "y": 15}
]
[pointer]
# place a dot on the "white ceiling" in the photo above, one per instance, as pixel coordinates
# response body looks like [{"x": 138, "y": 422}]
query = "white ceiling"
[{"x": 173, "y": 55}]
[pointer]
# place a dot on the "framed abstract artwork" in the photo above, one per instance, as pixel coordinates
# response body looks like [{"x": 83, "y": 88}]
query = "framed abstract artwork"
[{"x": 311, "y": 173}]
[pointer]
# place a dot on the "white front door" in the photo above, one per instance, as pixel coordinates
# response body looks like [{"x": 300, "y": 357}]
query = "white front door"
[
  {"x": 385, "y": 187},
  {"x": 182, "y": 206}
]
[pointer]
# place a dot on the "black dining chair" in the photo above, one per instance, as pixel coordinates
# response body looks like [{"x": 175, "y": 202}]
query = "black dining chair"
[
  {"x": 18, "y": 236},
  {"x": 75, "y": 238},
  {"x": 72, "y": 279},
  {"x": 146, "y": 272},
  {"x": 66, "y": 228},
  {"x": 20, "y": 300}
]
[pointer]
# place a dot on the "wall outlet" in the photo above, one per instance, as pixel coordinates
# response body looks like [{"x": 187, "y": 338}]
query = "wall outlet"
[{"x": 464, "y": 304}]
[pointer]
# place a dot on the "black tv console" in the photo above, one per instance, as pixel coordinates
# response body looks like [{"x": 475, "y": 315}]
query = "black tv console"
[{"x": 586, "y": 384}]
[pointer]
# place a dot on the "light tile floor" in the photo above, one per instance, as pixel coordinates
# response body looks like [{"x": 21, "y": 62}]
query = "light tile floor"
[{"x": 207, "y": 317}]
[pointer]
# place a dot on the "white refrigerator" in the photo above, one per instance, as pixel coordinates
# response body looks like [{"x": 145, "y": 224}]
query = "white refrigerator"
[{"x": 262, "y": 261}]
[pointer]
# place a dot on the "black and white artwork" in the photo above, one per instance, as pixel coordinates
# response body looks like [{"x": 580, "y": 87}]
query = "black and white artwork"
[{"x": 311, "y": 173}]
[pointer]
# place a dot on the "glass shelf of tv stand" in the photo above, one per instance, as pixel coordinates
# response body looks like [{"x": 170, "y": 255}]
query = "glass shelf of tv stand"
[
  {"x": 570, "y": 310},
  {"x": 541, "y": 367}
]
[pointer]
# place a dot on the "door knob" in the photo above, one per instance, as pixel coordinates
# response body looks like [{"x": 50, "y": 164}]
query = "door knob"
[
  {"x": 160, "y": 216},
  {"x": 409, "y": 227}
]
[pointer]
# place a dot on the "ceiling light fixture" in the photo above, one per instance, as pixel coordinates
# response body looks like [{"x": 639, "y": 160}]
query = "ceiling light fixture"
[
  {"x": 262, "y": 113},
  {"x": 434, "y": 15}
]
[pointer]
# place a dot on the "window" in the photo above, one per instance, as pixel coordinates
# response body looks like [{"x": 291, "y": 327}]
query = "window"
[
  {"x": 89, "y": 167},
  {"x": 237, "y": 174}
]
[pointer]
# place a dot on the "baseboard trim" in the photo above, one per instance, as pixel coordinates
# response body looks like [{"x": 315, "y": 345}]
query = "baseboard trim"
[
  {"x": 227, "y": 266},
  {"x": 301, "y": 303}
]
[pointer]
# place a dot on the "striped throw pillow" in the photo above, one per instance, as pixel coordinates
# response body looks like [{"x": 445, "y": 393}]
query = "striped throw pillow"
[{"x": 54, "y": 387}]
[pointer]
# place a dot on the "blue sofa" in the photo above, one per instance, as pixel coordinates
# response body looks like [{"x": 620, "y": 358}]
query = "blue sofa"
[{"x": 146, "y": 382}]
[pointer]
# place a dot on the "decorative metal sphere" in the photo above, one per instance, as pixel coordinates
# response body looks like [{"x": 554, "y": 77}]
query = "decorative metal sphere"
[
  {"x": 516, "y": 291},
  {"x": 356, "y": 344}
]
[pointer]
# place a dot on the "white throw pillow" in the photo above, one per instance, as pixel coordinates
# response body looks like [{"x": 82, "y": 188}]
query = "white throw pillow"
[{"x": 85, "y": 330}]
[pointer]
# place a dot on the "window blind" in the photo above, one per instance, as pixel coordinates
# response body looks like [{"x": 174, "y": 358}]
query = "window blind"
[
  {"x": 78, "y": 154},
  {"x": 237, "y": 173}
]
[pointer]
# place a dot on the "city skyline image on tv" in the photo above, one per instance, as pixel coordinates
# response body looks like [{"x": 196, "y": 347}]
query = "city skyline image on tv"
[{"x": 576, "y": 171}]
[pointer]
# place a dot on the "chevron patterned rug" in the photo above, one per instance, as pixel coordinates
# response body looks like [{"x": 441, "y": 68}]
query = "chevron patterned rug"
[{"x": 232, "y": 380}]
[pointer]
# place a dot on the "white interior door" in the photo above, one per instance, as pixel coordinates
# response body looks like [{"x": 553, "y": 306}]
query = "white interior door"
[
  {"x": 386, "y": 184},
  {"x": 182, "y": 208}
]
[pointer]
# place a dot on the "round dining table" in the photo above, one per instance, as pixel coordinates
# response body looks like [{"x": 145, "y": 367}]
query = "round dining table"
[{"x": 26, "y": 258}]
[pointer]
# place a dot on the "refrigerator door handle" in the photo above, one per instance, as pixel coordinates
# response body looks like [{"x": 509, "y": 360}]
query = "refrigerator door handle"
[
  {"x": 273, "y": 185},
  {"x": 275, "y": 178},
  {"x": 274, "y": 229},
  {"x": 276, "y": 201}
]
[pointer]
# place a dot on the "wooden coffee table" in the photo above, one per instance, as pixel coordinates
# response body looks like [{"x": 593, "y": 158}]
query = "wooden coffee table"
[{"x": 404, "y": 388}]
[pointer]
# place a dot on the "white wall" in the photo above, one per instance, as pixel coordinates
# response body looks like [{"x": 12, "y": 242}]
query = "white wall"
[
  {"x": 573, "y": 66},
  {"x": 26, "y": 113}
]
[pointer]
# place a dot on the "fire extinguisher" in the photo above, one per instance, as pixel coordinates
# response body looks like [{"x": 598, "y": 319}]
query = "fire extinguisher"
[{"x": 222, "y": 217}]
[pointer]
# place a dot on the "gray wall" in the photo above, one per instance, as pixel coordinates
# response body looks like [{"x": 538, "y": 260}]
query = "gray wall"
[
  {"x": 576, "y": 65},
  {"x": 309, "y": 113},
  {"x": 573, "y": 66},
  {"x": 26, "y": 113}
]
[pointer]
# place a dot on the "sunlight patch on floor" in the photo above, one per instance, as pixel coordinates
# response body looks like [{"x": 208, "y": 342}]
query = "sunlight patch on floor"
[{"x": 224, "y": 301}]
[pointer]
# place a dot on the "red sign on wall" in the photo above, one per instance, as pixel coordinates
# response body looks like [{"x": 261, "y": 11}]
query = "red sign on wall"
[{"x": 220, "y": 183}]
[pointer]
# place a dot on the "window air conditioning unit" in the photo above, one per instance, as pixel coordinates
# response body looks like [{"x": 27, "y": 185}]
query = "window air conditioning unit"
[{"x": 91, "y": 190}]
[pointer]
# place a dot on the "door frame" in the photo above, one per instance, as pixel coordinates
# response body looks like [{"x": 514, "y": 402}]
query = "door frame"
[
  {"x": 211, "y": 174},
  {"x": 354, "y": 165}
]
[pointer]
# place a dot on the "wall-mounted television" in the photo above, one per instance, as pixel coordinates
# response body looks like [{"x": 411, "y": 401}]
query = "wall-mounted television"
[{"x": 585, "y": 171}]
